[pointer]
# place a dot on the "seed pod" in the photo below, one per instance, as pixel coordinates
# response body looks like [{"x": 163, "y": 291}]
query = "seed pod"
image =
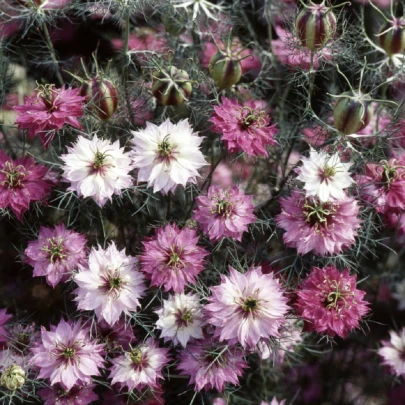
[
  {"x": 352, "y": 113},
  {"x": 171, "y": 87},
  {"x": 225, "y": 70},
  {"x": 103, "y": 96},
  {"x": 392, "y": 36},
  {"x": 12, "y": 377},
  {"x": 315, "y": 26}
]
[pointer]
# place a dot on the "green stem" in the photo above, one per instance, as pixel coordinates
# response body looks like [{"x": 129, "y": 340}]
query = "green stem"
[
  {"x": 125, "y": 75},
  {"x": 53, "y": 54}
]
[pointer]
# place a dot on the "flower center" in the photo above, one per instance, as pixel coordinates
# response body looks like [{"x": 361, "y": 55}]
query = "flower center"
[
  {"x": 136, "y": 356},
  {"x": 23, "y": 338},
  {"x": 327, "y": 173},
  {"x": 165, "y": 149},
  {"x": 46, "y": 92},
  {"x": 99, "y": 160},
  {"x": 317, "y": 213},
  {"x": 223, "y": 208},
  {"x": 69, "y": 352},
  {"x": 390, "y": 174},
  {"x": 113, "y": 284},
  {"x": 55, "y": 249},
  {"x": 175, "y": 257},
  {"x": 184, "y": 318},
  {"x": 250, "y": 304},
  {"x": 250, "y": 117},
  {"x": 338, "y": 294},
  {"x": 14, "y": 175}
]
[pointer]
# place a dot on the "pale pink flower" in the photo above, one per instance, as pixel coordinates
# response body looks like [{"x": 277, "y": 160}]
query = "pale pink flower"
[
  {"x": 393, "y": 351},
  {"x": 274, "y": 402},
  {"x": 247, "y": 307}
]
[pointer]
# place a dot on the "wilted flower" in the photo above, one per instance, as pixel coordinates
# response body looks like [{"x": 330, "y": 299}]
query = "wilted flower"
[
  {"x": 49, "y": 111},
  {"x": 77, "y": 395},
  {"x": 181, "y": 318},
  {"x": 67, "y": 355},
  {"x": 392, "y": 352},
  {"x": 330, "y": 302},
  {"x": 224, "y": 213},
  {"x": 244, "y": 127},
  {"x": 167, "y": 155},
  {"x": 111, "y": 285},
  {"x": 97, "y": 168},
  {"x": 172, "y": 258},
  {"x": 140, "y": 367},
  {"x": 12, "y": 377},
  {"x": 324, "y": 228},
  {"x": 325, "y": 176},
  {"x": 247, "y": 307},
  {"x": 56, "y": 253},
  {"x": 21, "y": 182},
  {"x": 211, "y": 365}
]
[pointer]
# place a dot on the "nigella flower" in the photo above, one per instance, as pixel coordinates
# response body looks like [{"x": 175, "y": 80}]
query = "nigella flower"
[
  {"x": 198, "y": 6},
  {"x": 111, "y": 285},
  {"x": 49, "y": 111},
  {"x": 181, "y": 318},
  {"x": 67, "y": 355},
  {"x": 172, "y": 258},
  {"x": 393, "y": 351},
  {"x": 330, "y": 302},
  {"x": 4, "y": 318},
  {"x": 224, "y": 213},
  {"x": 97, "y": 168},
  {"x": 56, "y": 253},
  {"x": 324, "y": 175},
  {"x": 324, "y": 228},
  {"x": 21, "y": 182},
  {"x": 274, "y": 402},
  {"x": 140, "y": 367},
  {"x": 247, "y": 307},
  {"x": 167, "y": 155},
  {"x": 383, "y": 185},
  {"x": 244, "y": 127},
  {"x": 77, "y": 395},
  {"x": 211, "y": 365},
  {"x": 119, "y": 335}
]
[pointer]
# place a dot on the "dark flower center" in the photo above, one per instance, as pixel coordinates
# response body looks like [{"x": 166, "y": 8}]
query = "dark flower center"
[
  {"x": 184, "y": 318},
  {"x": 250, "y": 117},
  {"x": 390, "y": 174},
  {"x": 165, "y": 149},
  {"x": 136, "y": 356},
  {"x": 47, "y": 94},
  {"x": 55, "y": 248},
  {"x": 327, "y": 173},
  {"x": 174, "y": 260},
  {"x": 223, "y": 208},
  {"x": 14, "y": 175},
  {"x": 113, "y": 284},
  {"x": 317, "y": 213},
  {"x": 250, "y": 304},
  {"x": 69, "y": 352}
]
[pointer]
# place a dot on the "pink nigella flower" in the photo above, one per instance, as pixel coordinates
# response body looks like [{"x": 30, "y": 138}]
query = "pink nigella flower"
[
  {"x": 21, "y": 182},
  {"x": 247, "y": 307},
  {"x": 330, "y": 302},
  {"x": 324, "y": 228},
  {"x": 274, "y": 402},
  {"x": 111, "y": 285},
  {"x": 4, "y": 318},
  {"x": 244, "y": 127},
  {"x": 56, "y": 253},
  {"x": 120, "y": 335},
  {"x": 67, "y": 355},
  {"x": 77, "y": 395},
  {"x": 172, "y": 258},
  {"x": 141, "y": 367},
  {"x": 383, "y": 185},
  {"x": 224, "y": 213},
  {"x": 49, "y": 111},
  {"x": 211, "y": 365},
  {"x": 393, "y": 351}
]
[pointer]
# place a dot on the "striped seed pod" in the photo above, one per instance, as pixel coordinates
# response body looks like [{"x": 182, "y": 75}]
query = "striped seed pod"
[
  {"x": 352, "y": 113},
  {"x": 171, "y": 87},
  {"x": 102, "y": 95},
  {"x": 12, "y": 377},
  {"x": 392, "y": 36},
  {"x": 315, "y": 26},
  {"x": 225, "y": 70}
]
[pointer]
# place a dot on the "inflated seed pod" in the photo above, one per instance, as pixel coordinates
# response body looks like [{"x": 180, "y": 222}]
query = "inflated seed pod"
[
  {"x": 102, "y": 96},
  {"x": 315, "y": 26},
  {"x": 392, "y": 36},
  {"x": 172, "y": 86},
  {"x": 352, "y": 113},
  {"x": 225, "y": 70},
  {"x": 12, "y": 377}
]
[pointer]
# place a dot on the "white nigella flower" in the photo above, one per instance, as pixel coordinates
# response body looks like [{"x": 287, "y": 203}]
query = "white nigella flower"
[
  {"x": 167, "y": 155},
  {"x": 181, "y": 318},
  {"x": 111, "y": 285},
  {"x": 97, "y": 168},
  {"x": 325, "y": 176},
  {"x": 197, "y": 6},
  {"x": 392, "y": 352},
  {"x": 399, "y": 295}
]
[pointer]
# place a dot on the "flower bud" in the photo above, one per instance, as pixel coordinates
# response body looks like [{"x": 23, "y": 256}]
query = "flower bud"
[
  {"x": 352, "y": 113},
  {"x": 392, "y": 36},
  {"x": 315, "y": 26},
  {"x": 225, "y": 70},
  {"x": 12, "y": 377},
  {"x": 171, "y": 87},
  {"x": 103, "y": 96}
]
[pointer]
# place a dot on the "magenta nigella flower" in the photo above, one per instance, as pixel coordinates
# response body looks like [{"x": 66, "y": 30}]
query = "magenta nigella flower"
[
  {"x": 324, "y": 228},
  {"x": 244, "y": 127},
  {"x": 211, "y": 365},
  {"x": 4, "y": 318},
  {"x": 383, "y": 185},
  {"x": 330, "y": 302},
  {"x": 67, "y": 355},
  {"x": 172, "y": 258},
  {"x": 120, "y": 335},
  {"x": 77, "y": 395},
  {"x": 49, "y": 111},
  {"x": 393, "y": 351},
  {"x": 224, "y": 213},
  {"x": 141, "y": 367},
  {"x": 56, "y": 253},
  {"x": 247, "y": 307},
  {"x": 21, "y": 182}
]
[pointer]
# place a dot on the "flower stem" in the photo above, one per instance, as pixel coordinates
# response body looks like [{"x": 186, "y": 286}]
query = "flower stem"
[{"x": 53, "y": 54}]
